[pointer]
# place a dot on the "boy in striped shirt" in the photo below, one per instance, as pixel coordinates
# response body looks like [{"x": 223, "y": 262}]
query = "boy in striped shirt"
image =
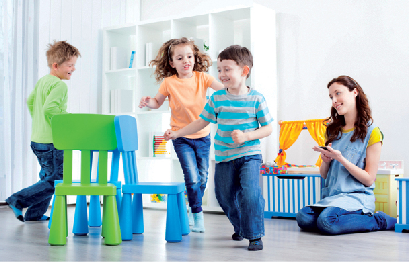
[{"x": 243, "y": 118}]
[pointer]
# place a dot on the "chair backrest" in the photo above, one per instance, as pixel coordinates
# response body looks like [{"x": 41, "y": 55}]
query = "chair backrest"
[
  {"x": 126, "y": 132},
  {"x": 127, "y": 137},
  {"x": 84, "y": 132}
]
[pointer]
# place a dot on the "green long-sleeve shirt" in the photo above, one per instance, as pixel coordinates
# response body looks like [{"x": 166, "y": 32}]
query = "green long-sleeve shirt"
[{"x": 48, "y": 98}]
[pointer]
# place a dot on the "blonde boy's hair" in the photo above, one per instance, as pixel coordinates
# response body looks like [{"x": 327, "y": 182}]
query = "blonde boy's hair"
[{"x": 60, "y": 51}]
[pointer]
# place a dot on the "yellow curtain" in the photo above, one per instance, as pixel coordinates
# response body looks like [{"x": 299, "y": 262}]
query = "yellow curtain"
[
  {"x": 289, "y": 132},
  {"x": 317, "y": 129}
]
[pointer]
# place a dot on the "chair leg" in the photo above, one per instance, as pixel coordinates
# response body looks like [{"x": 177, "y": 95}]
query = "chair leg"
[
  {"x": 125, "y": 218},
  {"x": 80, "y": 227},
  {"x": 118, "y": 198},
  {"x": 58, "y": 228},
  {"x": 112, "y": 230},
  {"x": 400, "y": 227},
  {"x": 51, "y": 213},
  {"x": 94, "y": 211},
  {"x": 66, "y": 216},
  {"x": 173, "y": 227},
  {"x": 137, "y": 214},
  {"x": 52, "y": 206},
  {"x": 184, "y": 220},
  {"x": 104, "y": 201}
]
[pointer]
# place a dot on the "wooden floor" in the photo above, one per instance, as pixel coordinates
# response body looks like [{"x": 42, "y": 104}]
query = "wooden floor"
[{"x": 283, "y": 242}]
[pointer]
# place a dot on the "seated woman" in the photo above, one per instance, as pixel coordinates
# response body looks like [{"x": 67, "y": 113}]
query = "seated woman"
[{"x": 350, "y": 163}]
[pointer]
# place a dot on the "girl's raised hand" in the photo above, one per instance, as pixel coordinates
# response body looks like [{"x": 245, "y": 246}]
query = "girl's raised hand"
[{"x": 144, "y": 101}]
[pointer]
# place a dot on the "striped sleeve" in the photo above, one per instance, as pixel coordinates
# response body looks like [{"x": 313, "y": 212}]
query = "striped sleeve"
[
  {"x": 263, "y": 114},
  {"x": 208, "y": 114}
]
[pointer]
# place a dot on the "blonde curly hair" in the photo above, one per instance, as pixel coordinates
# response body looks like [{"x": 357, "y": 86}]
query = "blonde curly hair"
[{"x": 163, "y": 67}]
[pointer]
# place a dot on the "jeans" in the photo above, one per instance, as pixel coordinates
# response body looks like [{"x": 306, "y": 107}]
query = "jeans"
[
  {"x": 37, "y": 197},
  {"x": 239, "y": 194},
  {"x": 336, "y": 221},
  {"x": 193, "y": 156}
]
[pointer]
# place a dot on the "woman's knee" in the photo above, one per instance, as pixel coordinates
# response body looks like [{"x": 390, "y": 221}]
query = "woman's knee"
[
  {"x": 328, "y": 222},
  {"x": 304, "y": 219}
]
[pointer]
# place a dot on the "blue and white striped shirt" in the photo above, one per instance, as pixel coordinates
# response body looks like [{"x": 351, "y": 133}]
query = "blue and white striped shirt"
[{"x": 244, "y": 112}]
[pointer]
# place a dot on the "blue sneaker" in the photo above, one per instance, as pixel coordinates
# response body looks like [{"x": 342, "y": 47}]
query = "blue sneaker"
[
  {"x": 255, "y": 244},
  {"x": 17, "y": 212},
  {"x": 198, "y": 226}
]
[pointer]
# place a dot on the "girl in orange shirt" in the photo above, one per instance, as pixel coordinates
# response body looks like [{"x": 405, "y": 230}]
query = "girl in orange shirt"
[{"x": 182, "y": 68}]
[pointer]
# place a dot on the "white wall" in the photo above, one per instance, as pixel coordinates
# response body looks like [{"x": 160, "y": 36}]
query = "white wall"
[
  {"x": 80, "y": 23},
  {"x": 318, "y": 40}
]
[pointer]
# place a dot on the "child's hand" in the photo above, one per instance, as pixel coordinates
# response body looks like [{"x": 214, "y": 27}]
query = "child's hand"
[
  {"x": 169, "y": 134},
  {"x": 329, "y": 154},
  {"x": 238, "y": 136},
  {"x": 144, "y": 101}
]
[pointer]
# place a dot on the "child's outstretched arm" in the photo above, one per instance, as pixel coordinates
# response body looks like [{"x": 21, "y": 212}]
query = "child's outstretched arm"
[
  {"x": 239, "y": 136},
  {"x": 193, "y": 127},
  {"x": 152, "y": 103},
  {"x": 216, "y": 85}
]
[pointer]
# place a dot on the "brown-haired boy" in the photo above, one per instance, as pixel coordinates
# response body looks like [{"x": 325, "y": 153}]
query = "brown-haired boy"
[
  {"x": 48, "y": 98},
  {"x": 243, "y": 118}
]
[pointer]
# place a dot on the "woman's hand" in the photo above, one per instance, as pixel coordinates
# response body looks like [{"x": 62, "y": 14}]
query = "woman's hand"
[{"x": 329, "y": 154}]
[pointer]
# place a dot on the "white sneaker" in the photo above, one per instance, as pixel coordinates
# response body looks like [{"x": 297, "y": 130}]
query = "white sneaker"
[{"x": 198, "y": 226}]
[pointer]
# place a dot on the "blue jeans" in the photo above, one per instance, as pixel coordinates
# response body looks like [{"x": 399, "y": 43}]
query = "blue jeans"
[
  {"x": 193, "y": 156},
  {"x": 239, "y": 194},
  {"x": 37, "y": 197},
  {"x": 336, "y": 221}
]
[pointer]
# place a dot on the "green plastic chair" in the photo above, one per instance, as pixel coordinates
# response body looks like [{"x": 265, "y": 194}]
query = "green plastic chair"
[{"x": 85, "y": 132}]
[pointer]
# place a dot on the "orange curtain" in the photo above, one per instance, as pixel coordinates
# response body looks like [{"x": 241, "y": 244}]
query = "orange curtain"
[
  {"x": 289, "y": 132},
  {"x": 317, "y": 129}
]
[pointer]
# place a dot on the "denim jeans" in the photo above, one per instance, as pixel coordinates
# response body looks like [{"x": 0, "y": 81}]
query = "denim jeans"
[
  {"x": 37, "y": 197},
  {"x": 336, "y": 221},
  {"x": 239, "y": 194},
  {"x": 193, "y": 156}
]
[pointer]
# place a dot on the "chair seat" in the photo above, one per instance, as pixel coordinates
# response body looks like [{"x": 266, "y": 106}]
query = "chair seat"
[
  {"x": 85, "y": 189},
  {"x": 118, "y": 184},
  {"x": 154, "y": 187}
]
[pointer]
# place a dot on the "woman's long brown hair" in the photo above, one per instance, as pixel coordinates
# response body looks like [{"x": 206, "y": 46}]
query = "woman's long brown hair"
[
  {"x": 336, "y": 122},
  {"x": 163, "y": 68}
]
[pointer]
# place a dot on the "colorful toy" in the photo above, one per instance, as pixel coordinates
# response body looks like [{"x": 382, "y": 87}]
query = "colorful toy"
[
  {"x": 289, "y": 187},
  {"x": 158, "y": 198},
  {"x": 290, "y": 130}
]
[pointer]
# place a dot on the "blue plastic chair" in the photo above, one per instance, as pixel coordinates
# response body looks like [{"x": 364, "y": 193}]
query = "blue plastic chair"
[
  {"x": 131, "y": 213},
  {"x": 80, "y": 216}
]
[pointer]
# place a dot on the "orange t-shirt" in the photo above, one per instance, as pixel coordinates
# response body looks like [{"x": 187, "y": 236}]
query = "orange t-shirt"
[{"x": 187, "y": 98}]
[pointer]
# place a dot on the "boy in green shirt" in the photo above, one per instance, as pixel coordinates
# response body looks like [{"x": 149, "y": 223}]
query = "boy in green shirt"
[{"x": 48, "y": 98}]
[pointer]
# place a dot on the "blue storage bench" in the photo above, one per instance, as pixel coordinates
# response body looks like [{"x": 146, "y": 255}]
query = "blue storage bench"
[{"x": 286, "y": 194}]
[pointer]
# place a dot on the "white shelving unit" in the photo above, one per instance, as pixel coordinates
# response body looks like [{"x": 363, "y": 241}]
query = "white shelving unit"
[{"x": 250, "y": 26}]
